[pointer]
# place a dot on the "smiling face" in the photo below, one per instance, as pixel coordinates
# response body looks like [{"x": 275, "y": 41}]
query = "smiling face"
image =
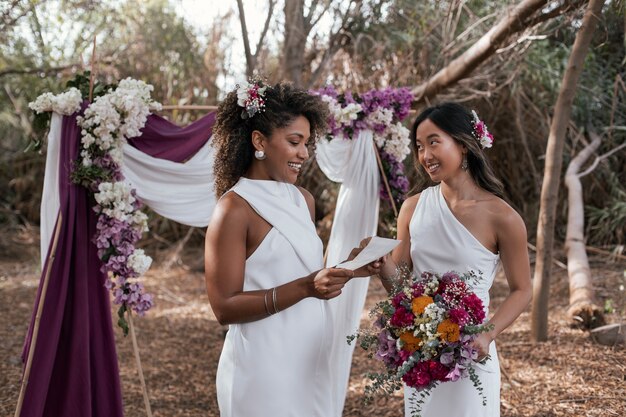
[
  {"x": 285, "y": 150},
  {"x": 439, "y": 154}
]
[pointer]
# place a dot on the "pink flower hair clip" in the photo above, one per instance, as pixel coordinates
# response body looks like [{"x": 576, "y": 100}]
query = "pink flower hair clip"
[
  {"x": 481, "y": 133},
  {"x": 251, "y": 96}
]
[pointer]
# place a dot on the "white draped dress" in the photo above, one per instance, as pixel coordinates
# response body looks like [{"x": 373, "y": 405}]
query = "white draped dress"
[
  {"x": 440, "y": 243},
  {"x": 279, "y": 366}
]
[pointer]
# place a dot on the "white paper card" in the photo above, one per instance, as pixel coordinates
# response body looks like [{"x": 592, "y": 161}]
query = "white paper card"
[{"x": 375, "y": 249}]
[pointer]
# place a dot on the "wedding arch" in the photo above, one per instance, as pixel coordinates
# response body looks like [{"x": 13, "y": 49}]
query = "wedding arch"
[{"x": 108, "y": 157}]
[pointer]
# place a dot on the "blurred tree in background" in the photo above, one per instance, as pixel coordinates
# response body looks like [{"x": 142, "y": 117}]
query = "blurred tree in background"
[{"x": 354, "y": 45}]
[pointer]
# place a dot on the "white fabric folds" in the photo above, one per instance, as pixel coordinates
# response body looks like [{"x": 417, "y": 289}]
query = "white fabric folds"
[
  {"x": 183, "y": 192},
  {"x": 50, "y": 199},
  {"x": 353, "y": 163}
]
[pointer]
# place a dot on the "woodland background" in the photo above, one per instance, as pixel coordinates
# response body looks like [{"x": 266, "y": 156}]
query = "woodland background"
[{"x": 355, "y": 46}]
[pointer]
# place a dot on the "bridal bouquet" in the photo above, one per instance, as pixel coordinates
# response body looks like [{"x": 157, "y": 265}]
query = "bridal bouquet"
[{"x": 423, "y": 334}]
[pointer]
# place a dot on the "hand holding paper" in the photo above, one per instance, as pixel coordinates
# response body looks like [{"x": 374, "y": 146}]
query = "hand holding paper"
[{"x": 376, "y": 248}]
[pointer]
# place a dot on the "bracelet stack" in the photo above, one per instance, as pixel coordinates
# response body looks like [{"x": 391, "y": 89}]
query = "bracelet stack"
[{"x": 267, "y": 309}]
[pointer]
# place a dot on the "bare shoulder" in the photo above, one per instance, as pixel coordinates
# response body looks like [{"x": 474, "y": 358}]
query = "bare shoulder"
[
  {"x": 310, "y": 200},
  {"x": 231, "y": 209},
  {"x": 408, "y": 206},
  {"x": 504, "y": 217},
  {"x": 407, "y": 209}
]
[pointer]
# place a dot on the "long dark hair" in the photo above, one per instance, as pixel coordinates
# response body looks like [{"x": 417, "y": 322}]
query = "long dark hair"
[
  {"x": 232, "y": 135},
  {"x": 456, "y": 121}
]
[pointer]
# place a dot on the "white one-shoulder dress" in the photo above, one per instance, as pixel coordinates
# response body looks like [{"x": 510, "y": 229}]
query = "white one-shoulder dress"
[
  {"x": 440, "y": 243},
  {"x": 278, "y": 366}
]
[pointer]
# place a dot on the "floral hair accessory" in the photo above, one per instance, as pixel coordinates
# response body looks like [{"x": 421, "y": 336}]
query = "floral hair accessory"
[
  {"x": 481, "y": 133},
  {"x": 251, "y": 96}
]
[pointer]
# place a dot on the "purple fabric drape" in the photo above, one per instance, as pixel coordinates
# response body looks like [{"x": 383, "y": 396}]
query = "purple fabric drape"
[
  {"x": 74, "y": 370},
  {"x": 163, "y": 139}
]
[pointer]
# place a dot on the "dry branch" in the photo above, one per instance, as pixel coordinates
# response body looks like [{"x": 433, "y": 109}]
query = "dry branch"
[
  {"x": 518, "y": 19},
  {"x": 583, "y": 310}
]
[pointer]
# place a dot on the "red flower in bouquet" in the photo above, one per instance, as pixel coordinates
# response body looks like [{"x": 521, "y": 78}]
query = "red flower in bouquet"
[{"x": 425, "y": 332}]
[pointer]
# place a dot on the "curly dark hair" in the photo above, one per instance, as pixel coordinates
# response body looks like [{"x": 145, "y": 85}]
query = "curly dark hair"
[
  {"x": 232, "y": 135},
  {"x": 456, "y": 121}
]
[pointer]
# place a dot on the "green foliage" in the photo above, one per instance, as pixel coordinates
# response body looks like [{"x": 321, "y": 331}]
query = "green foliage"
[
  {"x": 121, "y": 319},
  {"x": 82, "y": 81}
]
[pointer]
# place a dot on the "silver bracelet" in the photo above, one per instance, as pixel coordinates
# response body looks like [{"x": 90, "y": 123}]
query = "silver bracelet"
[
  {"x": 276, "y": 310},
  {"x": 267, "y": 309}
]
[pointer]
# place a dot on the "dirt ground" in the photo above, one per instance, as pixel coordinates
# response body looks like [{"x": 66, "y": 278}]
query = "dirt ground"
[{"x": 180, "y": 344}]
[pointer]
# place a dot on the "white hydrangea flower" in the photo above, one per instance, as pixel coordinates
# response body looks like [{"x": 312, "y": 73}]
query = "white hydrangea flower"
[
  {"x": 66, "y": 103},
  {"x": 139, "y": 262},
  {"x": 380, "y": 116},
  {"x": 349, "y": 113},
  {"x": 379, "y": 140},
  {"x": 398, "y": 143},
  {"x": 434, "y": 312},
  {"x": 116, "y": 200},
  {"x": 43, "y": 103},
  {"x": 140, "y": 219}
]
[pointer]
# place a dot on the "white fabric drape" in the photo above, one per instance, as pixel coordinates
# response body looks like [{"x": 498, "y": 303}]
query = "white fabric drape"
[
  {"x": 50, "y": 200},
  {"x": 353, "y": 163},
  {"x": 183, "y": 192}
]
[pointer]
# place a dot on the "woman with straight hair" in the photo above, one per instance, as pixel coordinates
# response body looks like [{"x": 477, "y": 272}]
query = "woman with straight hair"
[{"x": 462, "y": 223}]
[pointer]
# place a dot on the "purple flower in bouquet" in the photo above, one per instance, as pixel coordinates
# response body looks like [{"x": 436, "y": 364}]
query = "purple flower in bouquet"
[
  {"x": 456, "y": 373},
  {"x": 447, "y": 358},
  {"x": 387, "y": 351}
]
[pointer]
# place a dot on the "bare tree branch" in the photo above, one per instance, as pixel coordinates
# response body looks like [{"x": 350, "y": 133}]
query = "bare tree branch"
[
  {"x": 309, "y": 17},
  {"x": 516, "y": 20},
  {"x": 246, "y": 41},
  {"x": 6, "y": 20},
  {"x": 583, "y": 309},
  {"x": 46, "y": 71},
  {"x": 322, "y": 13},
  {"x": 266, "y": 26},
  {"x": 601, "y": 158},
  {"x": 565, "y": 7},
  {"x": 335, "y": 41}
]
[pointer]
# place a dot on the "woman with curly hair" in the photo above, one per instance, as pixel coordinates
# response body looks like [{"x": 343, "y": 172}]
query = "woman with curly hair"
[{"x": 263, "y": 259}]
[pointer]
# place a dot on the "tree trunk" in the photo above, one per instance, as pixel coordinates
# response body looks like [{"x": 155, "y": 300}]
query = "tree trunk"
[
  {"x": 552, "y": 172},
  {"x": 295, "y": 41},
  {"x": 250, "y": 59},
  {"x": 583, "y": 310}
]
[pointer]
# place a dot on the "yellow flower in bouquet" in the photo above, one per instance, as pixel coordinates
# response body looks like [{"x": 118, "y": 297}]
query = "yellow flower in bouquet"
[
  {"x": 419, "y": 304},
  {"x": 411, "y": 343},
  {"x": 449, "y": 331}
]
